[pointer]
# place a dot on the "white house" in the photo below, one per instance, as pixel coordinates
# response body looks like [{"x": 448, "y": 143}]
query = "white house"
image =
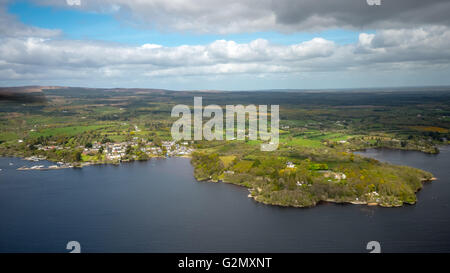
[{"x": 290, "y": 165}]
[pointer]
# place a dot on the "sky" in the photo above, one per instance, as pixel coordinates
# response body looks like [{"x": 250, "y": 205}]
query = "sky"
[{"x": 225, "y": 45}]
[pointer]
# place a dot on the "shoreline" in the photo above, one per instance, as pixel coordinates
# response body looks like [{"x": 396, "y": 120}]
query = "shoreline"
[
  {"x": 329, "y": 200},
  {"x": 72, "y": 165},
  {"x": 401, "y": 149},
  {"x": 353, "y": 202},
  {"x": 89, "y": 163}
]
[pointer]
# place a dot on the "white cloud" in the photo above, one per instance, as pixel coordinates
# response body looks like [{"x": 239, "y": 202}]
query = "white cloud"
[
  {"x": 35, "y": 55},
  {"x": 39, "y": 58},
  {"x": 73, "y": 2},
  {"x": 62, "y": 53},
  {"x": 150, "y": 46}
]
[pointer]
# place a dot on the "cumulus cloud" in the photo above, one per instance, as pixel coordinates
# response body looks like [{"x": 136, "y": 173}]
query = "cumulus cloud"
[
  {"x": 357, "y": 14},
  {"x": 34, "y": 55},
  {"x": 424, "y": 44},
  {"x": 38, "y": 57},
  {"x": 67, "y": 53},
  {"x": 233, "y": 16}
]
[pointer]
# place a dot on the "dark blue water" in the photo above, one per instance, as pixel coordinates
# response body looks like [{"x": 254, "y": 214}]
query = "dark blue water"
[{"x": 157, "y": 206}]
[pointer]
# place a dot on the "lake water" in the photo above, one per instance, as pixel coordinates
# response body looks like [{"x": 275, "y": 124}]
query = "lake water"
[{"x": 157, "y": 206}]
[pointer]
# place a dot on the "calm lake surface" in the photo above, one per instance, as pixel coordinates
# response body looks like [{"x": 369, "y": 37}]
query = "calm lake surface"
[{"x": 157, "y": 206}]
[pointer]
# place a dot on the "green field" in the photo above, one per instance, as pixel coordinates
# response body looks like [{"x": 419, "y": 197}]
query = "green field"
[
  {"x": 318, "y": 133},
  {"x": 68, "y": 130}
]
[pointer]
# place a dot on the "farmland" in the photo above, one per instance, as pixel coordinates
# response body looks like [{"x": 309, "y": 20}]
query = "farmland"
[{"x": 319, "y": 130}]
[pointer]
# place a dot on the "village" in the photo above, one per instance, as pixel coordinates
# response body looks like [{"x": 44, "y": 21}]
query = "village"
[
  {"x": 110, "y": 152},
  {"x": 120, "y": 151}
]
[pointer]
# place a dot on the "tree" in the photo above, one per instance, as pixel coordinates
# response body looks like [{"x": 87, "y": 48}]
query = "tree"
[{"x": 76, "y": 156}]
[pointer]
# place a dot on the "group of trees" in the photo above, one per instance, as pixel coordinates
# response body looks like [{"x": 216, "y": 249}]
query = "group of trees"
[
  {"x": 306, "y": 184},
  {"x": 207, "y": 166}
]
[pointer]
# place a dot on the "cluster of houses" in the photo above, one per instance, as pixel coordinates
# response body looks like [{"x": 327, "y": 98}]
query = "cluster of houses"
[
  {"x": 113, "y": 151},
  {"x": 336, "y": 175},
  {"x": 50, "y": 147},
  {"x": 375, "y": 196},
  {"x": 176, "y": 149},
  {"x": 116, "y": 151}
]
